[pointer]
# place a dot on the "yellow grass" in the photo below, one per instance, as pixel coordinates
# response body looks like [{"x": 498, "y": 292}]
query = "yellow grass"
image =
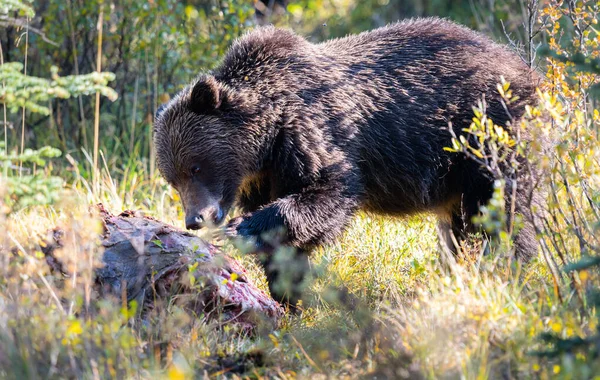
[{"x": 410, "y": 315}]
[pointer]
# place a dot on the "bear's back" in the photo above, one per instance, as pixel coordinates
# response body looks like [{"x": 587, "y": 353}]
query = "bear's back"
[
  {"x": 408, "y": 62},
  {"x": 386, "y": 97},
  {"x": 429, "y": 50}
]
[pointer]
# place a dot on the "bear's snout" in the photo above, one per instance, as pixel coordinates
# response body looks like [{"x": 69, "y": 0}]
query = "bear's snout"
[
  {"x": 193, "y": 222},
  {"x": 213, "y": 215}
]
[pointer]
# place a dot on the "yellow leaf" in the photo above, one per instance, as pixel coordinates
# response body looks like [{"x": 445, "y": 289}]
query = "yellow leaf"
[
  {"x": 191, "y": 12},
  {"x": 74, "y": 328},
  {"x": 556, "y": 327},
  {"x": 500, "y": 90},
  {"x": 477, "y": 153},
  {"x": 274, "y": 340},
  {"x": 175, "y": 373},
  {"x": 295, "y": 9},
  {"x": 164, "y": 98}
]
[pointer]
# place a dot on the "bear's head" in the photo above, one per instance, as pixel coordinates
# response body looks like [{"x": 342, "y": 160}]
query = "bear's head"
[{"x": 196, "y": 138}]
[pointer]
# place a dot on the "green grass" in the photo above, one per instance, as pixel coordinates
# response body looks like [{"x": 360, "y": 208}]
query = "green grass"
[{"x": 409, "y": 315}]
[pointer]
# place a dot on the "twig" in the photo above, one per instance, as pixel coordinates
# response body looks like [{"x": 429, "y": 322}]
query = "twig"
[
  {"x": 24, "y": 73},
  {"x": 39, "y": 273},
  {"x": 516, "y": 45},
  {"x": 6, "y": 21},
  {"x": 310, "y": 361},
  {"x": 133, "y": 114},
  {"x": 4, "y": 104},
  {"x": 76, "y": 67},
  {"x": 97, "y": 111}
]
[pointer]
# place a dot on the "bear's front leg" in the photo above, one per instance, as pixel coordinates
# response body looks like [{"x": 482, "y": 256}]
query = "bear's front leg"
[{"x": 313, "y": 216}]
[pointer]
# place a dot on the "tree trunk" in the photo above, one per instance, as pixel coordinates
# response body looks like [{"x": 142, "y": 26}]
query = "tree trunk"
[{"x": 148, "y": 261}]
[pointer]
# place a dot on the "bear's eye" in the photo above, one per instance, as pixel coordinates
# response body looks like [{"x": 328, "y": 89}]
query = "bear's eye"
[{"x": 195, "y": 170}]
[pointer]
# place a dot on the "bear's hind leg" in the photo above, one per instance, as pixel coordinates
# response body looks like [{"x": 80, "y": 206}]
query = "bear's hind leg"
[
  {"x": 454, "y": 227},
  {"x": 528, "y": 204}
]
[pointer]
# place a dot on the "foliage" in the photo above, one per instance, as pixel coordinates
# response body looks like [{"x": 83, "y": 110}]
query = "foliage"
[
  {"x": 7, "y": 6},
  {"x": 27, "y": 186},
  {"x": 575, "y": 176},
  {"x": 501, "y": 155},
  {"x": 570, "y": 228},
  {"x": 320, "y": 19},
  {"x": 24, "y": 91},
  {"x": 29, "y": 189},
  {"x": 153, "y": 48}
]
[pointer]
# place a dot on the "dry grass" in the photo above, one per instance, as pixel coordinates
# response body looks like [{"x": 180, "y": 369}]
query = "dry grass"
[{"x": 410, "y": 317}]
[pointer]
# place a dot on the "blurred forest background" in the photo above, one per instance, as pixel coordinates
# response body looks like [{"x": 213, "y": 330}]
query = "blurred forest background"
[{"x": 154, "y": 48}]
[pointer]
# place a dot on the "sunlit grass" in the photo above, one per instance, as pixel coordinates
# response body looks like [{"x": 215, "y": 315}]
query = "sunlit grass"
[
  {"x": 381, "y": 257},
  {"x": 409, "y": 316}
]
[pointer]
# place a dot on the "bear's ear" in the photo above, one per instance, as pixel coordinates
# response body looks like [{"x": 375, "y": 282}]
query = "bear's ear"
[{"x": 206, "y": 95}]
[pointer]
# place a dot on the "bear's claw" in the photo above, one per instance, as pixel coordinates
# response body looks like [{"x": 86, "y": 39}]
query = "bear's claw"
[{"x": 231, "y": 229}]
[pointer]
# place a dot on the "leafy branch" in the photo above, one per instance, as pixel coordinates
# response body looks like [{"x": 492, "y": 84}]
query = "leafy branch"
[{"x": 21, "y": 90}]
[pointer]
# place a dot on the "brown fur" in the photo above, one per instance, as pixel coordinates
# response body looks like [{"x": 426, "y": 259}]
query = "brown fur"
[{"x": 302, "y": 135}]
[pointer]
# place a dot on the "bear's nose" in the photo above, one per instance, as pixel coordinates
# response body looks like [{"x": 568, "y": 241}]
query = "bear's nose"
[{"x": 193, "y": 222}]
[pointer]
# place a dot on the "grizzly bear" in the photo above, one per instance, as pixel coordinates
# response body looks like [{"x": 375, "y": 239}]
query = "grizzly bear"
[{"x": 302, "y": 135}]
